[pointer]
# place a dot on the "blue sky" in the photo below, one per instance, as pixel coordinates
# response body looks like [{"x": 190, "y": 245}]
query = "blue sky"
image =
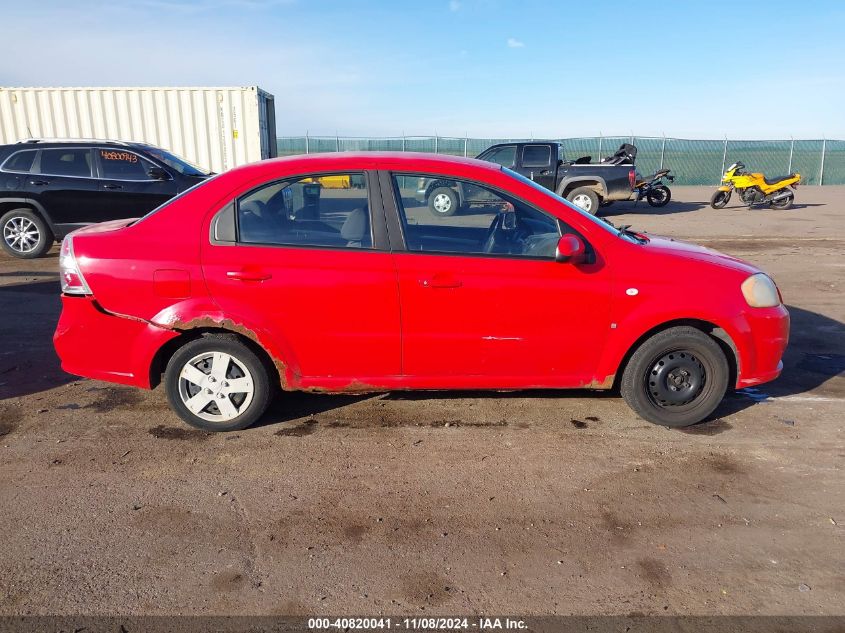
[{"x": 749, "y": 69}]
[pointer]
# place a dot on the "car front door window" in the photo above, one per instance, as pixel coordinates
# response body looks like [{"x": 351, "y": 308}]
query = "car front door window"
[
  {"x": 490, "y": 223},
  {"x": 116, "y": 164}
]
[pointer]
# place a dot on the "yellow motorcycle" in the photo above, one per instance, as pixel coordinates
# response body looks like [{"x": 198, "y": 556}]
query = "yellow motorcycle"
[{"x": 755, "y": 189}]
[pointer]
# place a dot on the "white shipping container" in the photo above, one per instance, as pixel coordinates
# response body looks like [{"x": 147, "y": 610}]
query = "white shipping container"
[{"x": 215, "y": 128}]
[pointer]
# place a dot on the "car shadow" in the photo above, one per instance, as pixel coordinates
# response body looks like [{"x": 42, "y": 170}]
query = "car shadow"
[
  {"x": 642, "y": 207},
  {"x": 28, "y": 362}
]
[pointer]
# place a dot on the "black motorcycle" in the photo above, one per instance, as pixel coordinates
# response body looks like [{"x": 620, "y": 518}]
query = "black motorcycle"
[{"x": 652, "y": 188}]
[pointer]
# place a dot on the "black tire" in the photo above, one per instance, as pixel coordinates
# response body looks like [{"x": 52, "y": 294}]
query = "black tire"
[
  {"x": 719, "y": 199},
  {"x": 36, "y": 228},
  {"x": 443, "y": 202},
  {"x": 654, "y": 383},
  {"x": 784, "y": 203},
  {"x": 659, "y": 196},
  {"x": 588, "y": 200},
  {"x": 263, "y": 389}
]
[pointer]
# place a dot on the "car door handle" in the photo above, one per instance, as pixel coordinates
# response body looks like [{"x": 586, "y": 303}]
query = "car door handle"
[
  {"x": 112, "y": 186},
  {"x": 441, "y": 281},
  {"x": 39, "y": 183},
  {"x": 545, "y": 172},
  {"x": 248, "y": 275}
]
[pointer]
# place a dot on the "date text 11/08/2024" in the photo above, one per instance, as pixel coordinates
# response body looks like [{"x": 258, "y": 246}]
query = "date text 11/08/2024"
[{"x": 418, "y": 624}]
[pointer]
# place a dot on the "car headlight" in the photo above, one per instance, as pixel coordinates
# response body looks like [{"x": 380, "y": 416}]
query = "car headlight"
[{"x": 760, "y": 291}]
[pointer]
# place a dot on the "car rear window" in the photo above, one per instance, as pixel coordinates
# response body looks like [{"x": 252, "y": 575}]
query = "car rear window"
[
  {"x": 536, "y": 156},
  {"x": 20, "y": 161},
  {"x": 66, "y": 162}
]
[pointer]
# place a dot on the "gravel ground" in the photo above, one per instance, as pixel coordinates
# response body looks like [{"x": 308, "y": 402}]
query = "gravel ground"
[{"x": 436, "y": 503}]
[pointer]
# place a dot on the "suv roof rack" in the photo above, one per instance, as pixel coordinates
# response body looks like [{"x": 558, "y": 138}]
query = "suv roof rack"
[{"x": 72, "y": 140}]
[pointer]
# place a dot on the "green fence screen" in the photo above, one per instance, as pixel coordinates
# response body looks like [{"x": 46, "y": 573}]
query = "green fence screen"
[{"x": 693, "y": 162}]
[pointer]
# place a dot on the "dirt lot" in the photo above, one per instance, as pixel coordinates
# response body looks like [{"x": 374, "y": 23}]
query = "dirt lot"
[{"x": 439, "y": 503}]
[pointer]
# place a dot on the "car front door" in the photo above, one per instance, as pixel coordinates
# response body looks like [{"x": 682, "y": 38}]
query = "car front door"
[
  {"x": 485, "y": 304},
  {"x": 128, "y": 190},
  {"x": 308, "y": 262},
  {"x": 536, "y": 161},
  {"x": 61, "y": 180}
]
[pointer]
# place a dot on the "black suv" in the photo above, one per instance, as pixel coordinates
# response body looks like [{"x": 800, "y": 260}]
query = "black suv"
[{"x": 48, "y": 188}]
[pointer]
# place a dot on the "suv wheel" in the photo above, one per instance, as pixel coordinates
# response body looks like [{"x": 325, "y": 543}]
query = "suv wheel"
[
  {"x": 443, "y": 202},
  {"x": 25, "y": 235},
  {"x": 585, "y": 198},
  {"x": 216, "y": 383},
  {"x": 676, "y": 378}
]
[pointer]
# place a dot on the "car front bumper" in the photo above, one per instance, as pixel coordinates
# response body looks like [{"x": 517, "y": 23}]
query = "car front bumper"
[{"x": 765, "y": 338}]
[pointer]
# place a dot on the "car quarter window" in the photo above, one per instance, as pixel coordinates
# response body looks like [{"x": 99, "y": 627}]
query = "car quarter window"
[
  {"x": 482, "y": 221},
  {"x": 536, "y": 156},
  {"x": 20, "y": 161},
  {"x": 118, "y": 164},
  {"x": 66, "y": 162},
  {"x": 504, "y": 156},
  {"x": 325, "y": 210}
]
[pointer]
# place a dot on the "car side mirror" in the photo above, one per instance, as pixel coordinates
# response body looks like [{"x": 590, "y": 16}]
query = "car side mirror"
[
  {"x": 570, "y": 250},
  {"x": 157, "y": 173}
]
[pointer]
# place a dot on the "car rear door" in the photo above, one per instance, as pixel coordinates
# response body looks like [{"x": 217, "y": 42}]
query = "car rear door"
[
  {"x": 493, "y": 319},
  {"x": 61, "y": 180},
  {"x": 307, "y": 261},
  {"x": 127, "y": 188},
  {"x": 536, "y": 162}
]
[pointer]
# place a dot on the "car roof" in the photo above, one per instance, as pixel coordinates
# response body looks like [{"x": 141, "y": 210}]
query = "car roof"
[
  {"x": 411, "y": 161},
  {"x": 58, "y": 142}
]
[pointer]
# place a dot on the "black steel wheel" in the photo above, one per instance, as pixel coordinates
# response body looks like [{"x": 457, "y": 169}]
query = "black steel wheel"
[{"x": 676, "y": 378}]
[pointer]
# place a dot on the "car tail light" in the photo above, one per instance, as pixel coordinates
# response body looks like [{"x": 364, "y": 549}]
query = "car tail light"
[
  {"x": 632, "y": 177},
  {"x": 73, "y": 283}
]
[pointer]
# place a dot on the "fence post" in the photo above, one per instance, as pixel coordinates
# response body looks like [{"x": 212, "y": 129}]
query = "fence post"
[
  {"x": 466, "y": 143},
  {"x": 791, "y": 150},
  {"x": 403, "y": 141},
  {"x": 662, "y": 151},
  {"x": 306, "y": 141},
  {"x": 436, "y": 139},
  {"x": 821, "y": 169},
  {"x": 724, "y": 158},
  {"x": 336, "y": 142},
  {"x": 599, "y": 145}
]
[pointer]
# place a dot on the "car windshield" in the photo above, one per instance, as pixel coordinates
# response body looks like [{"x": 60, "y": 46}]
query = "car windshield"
[
  {"x": 176, "y": 162},
  {"x": 607, "y": 226}
]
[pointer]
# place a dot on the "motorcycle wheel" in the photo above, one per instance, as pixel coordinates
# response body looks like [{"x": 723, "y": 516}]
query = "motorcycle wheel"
[
  {"x": 719, "y": 199},
  {"x": 659, "y": 196},
  {"x": 784, "y": 203}
]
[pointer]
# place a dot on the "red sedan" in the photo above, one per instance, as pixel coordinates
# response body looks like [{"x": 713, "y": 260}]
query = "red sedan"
[{"x": 327, "y": 273}]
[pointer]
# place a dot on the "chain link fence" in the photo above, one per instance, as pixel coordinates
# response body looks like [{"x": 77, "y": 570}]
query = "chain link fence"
[{"x": 693, "y": 162}]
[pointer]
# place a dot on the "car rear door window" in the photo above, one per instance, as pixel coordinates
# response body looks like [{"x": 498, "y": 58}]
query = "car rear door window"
[
  {"x": 20, "y": 161},
  {"x": 322, "y": 211},
  {"x": 489, "y": 222},
  {"x": 66, "y": 162},
  {"x": 536, "y": 156},
  {"x": 116, "y": 164}
]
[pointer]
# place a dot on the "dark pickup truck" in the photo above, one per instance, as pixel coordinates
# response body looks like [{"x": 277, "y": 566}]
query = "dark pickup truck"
[{"x": 587, "y": 185}]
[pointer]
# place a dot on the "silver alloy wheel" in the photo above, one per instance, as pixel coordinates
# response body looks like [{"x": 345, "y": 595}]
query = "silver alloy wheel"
[
  {"x": 21, "y": 234},
  {"x": 442, "y": 203},
  {"x": 583, "y": 201},
  {"x": 216, "y": 386}
]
